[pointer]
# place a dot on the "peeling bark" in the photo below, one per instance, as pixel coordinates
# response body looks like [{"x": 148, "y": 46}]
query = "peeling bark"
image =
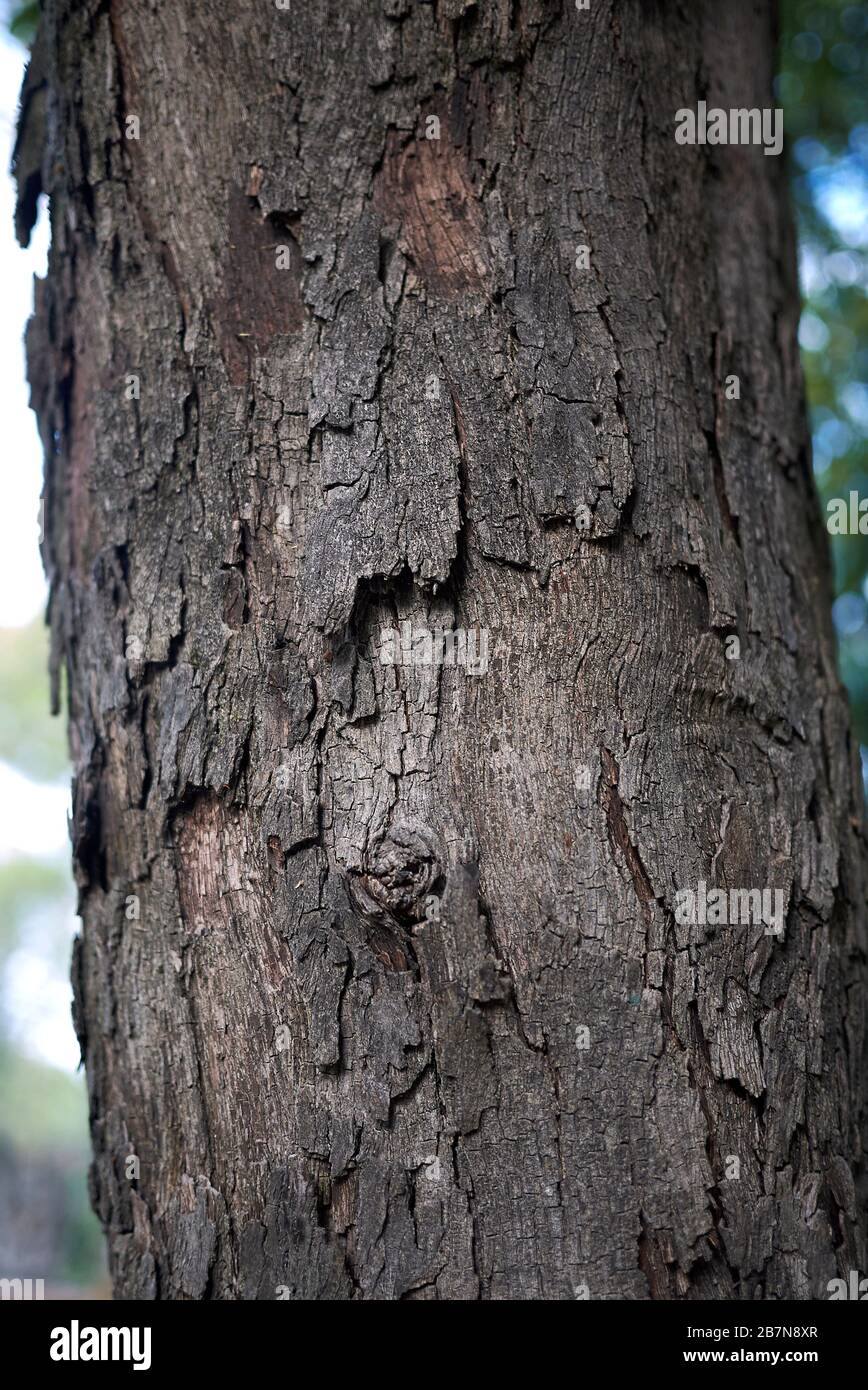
[{"x": 344, "y": 921}]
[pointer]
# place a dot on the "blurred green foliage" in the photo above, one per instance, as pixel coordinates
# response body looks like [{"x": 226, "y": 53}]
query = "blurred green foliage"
[
  {"x": 29, "y": 739},
  {"x": 822, "y": 84},
  {"x": 41, "y": 1107},
  {"x": 44, "y": 1144},
  {"x": 29, "y": 885},
  {"x": 23, "y": 19}
]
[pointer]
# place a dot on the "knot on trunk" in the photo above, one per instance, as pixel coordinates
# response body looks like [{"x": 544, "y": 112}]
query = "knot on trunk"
[{"x": 400, "y": 869}]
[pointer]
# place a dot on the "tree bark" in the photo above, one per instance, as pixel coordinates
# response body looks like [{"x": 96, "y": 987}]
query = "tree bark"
[{"x": 382, "y": 988}]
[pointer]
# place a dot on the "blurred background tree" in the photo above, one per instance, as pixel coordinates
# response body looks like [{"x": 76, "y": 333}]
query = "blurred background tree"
[{"x": 823, "y": 86}]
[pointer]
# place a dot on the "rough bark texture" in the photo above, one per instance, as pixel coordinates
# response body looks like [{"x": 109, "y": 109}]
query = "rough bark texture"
[{"x": 377, "y": 904}]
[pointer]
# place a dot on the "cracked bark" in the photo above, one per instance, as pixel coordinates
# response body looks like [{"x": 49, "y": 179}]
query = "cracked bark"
[{"x": 376, "y": 906}]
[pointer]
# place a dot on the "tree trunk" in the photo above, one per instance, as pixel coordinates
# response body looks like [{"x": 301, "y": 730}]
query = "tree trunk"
[{"x": 384, "y": 985}]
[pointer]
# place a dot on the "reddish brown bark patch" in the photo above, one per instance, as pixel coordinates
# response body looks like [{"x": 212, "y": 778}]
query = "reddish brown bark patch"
[
  {"x": 89, "y": 374},
  {"x": 426, "y": 188},
  {"x": 126, "y": 61},
  {"x": 260, "y": 299},
  {"x": 224, "y": 886},
  {"x": 199, "y": 841}
]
